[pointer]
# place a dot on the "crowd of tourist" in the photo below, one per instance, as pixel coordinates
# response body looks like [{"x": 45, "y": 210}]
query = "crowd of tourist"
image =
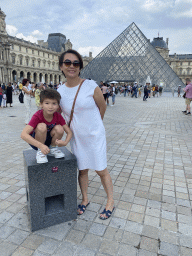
[
  {"x": 7, "y": 91},
  {"x": 132, "y": 90}
]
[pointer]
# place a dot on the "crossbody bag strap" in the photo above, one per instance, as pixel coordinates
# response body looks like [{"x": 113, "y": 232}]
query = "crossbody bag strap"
[{"x": 73, "y": 106}]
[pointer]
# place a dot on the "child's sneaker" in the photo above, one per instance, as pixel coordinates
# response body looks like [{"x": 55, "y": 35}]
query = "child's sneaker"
[
  {"x": 40, "y": 157},
  {"x": 56, "y": 152}
]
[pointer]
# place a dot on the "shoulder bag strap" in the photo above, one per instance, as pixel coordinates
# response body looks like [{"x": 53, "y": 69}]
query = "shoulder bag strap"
[{"x": 73, "y": 106}]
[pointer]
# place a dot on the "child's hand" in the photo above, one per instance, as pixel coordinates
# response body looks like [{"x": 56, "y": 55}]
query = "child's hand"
[
  {"x": 60, "y": 143},
  {"x": 44, "y": 149}
]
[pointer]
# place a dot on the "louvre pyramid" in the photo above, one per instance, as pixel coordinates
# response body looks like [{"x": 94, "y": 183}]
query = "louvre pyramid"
[{"x": 131, "y": 57}]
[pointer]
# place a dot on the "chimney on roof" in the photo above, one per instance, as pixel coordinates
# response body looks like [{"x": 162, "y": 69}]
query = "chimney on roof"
[{"x": 167, "y": 41}]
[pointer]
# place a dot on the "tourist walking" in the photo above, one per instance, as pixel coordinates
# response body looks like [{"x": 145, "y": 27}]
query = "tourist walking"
[
  {"x": 1, "y": 95},
  {"x": 145, "y": 96},
  {"x": 188, "y": 96},
  {"x": 160, "y": 90},
  {"x": 89, "y": 141},
  {"x": 135, "y": 87},
  {"x": 113, "y": 94},
  {"x": 9, "y": 93},
  {"x": 179, "y": 91},
  {"x": 104, "y": 91},
  {"x": 27, "y": 99}
]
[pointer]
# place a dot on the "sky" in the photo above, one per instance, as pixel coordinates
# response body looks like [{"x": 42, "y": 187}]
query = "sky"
[{"x": 91, "y": 25}]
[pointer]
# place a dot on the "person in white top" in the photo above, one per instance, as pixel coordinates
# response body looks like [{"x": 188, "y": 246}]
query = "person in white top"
[
  {"x": 88, "y": 143},
  {"x": 27, "y": 99}
]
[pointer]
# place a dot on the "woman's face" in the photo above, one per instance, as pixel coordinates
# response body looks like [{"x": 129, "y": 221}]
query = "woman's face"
[
  {"x": 27, "y": 83},
  {"x": 70, "y": 70}
]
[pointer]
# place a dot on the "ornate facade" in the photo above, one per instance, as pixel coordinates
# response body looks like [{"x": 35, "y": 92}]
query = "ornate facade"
[
  {"x": 180, "y": 63},
  {"x": 38, "y": 62}
]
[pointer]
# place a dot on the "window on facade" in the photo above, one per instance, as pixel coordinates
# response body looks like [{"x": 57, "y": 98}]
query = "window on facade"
[
  {"x": 189, "y": 63},
  {"x": 27, "y": 62},
  {"x": 49, "y": 64},
  {"x": 26, "y": 50},
  {"x": 180, "y": 71},
  {"x": 13, "y": 59},
  {"x": 44, "y": 63},
  {"x": 33, "y": 63},
  {"x": 39, "y": 64},
  {"x": 48, "y": 55},
  {"x": 180, "y": 63},
  {"x": 32, "y": 51},
  {"x": 21, "y": 60},
  {"x": 2, "y": 56},
  {"x": 12, "y": 46},
  {"x": 188, "y": 71},
  {"x": 43, "y": 54},
  {"x": 19, "y": 48},
  {"x": 38, "y": 52}
]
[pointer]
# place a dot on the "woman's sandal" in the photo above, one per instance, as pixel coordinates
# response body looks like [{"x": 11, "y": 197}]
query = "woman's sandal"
[
  {"x": 82, "y": 208},
  {"x": 107, "y": 214}
]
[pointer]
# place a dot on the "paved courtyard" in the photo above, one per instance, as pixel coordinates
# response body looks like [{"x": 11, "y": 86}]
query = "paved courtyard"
[{"x": 150, "y": 162}]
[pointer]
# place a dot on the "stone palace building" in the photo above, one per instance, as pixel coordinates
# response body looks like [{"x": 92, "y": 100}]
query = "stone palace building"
[
  {"x": 180, "y": 63},
  {"x": 38, "y": 62}
]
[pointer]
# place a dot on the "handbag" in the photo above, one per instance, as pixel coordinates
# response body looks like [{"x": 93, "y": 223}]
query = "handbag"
[
  {"x": 73, "y": 106},
  {"x": 184, "y": 95}
]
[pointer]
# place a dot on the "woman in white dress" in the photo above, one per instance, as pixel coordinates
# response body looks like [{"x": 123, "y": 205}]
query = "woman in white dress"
[{"x": 88, "y": 142}]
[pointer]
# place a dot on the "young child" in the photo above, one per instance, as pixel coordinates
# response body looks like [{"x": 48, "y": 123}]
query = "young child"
[
  {"x": 47, "y": 127},
  {"x": 37, "y": 95},
  {"x": 4, "y": 99}
]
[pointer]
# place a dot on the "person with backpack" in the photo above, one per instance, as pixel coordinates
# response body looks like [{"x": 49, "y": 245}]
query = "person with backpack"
[{"x": 146, "y": 92}]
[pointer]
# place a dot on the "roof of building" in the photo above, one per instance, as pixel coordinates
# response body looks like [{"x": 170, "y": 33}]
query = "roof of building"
[
  {"x": 159, "y": 42},
  {"x": 181, "y": 56}
]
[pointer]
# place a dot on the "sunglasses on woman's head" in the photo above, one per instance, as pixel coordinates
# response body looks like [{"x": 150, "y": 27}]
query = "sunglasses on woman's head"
[{"x": 75, "y": 63}]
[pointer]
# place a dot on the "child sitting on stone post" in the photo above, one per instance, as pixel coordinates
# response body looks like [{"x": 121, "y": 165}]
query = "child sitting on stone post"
[{"x": 46, "y": 128}]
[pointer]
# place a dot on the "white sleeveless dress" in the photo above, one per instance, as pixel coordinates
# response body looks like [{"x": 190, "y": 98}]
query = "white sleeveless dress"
[{"x": 88, "y": 143}]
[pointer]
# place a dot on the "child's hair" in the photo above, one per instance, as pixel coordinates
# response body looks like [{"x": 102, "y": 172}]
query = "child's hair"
[{"x": 50, "y": 94}]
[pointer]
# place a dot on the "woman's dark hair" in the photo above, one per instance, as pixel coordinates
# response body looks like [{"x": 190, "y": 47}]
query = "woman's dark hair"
[
  {"x": 61, "y": 57},
  {"x": 25, "y": 80},
  {"x": 50, "y": 94}
]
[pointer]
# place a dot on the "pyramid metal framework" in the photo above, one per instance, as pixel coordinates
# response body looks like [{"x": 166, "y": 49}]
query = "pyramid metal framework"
[{"x": 131, "y": 57}]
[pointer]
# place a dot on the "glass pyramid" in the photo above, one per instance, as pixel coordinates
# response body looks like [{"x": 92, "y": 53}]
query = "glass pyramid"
[{"x": 131, "y": 57}]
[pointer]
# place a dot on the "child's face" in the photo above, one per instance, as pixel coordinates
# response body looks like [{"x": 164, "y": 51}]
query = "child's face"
[{"x": 49, "y": 106}]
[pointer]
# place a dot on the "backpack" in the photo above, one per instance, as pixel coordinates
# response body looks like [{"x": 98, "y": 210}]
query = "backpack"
[{"x": 21, "y": 97}]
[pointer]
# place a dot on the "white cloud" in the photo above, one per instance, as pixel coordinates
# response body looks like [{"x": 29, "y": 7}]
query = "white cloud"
[
  {"x": 37, "y": 33},
  {"x": 11, "y": 30},
  {"x": 157, "y": 5},
  {"x": 94, "y": 49},
  {"x": 30, "y": 38}
]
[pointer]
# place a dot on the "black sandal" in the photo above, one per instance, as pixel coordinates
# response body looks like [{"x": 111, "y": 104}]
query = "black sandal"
[
  {"x": 82, "y": 208},
  {"x": 107, "y": 214}
]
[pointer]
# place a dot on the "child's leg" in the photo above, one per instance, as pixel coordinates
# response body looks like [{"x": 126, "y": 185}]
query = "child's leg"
[
  {"x": 56, "y": 134},
  {"x": 41, "y": 132}
]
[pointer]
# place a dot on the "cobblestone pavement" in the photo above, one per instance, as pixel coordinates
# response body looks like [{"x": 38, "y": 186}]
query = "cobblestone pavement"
[{"x": 150, "y": 162}]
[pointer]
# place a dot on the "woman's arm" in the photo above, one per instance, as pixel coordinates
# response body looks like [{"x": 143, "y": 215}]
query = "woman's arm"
[
  {"x": 26, "y": 91},
  {"x": 99, "y": 100}
]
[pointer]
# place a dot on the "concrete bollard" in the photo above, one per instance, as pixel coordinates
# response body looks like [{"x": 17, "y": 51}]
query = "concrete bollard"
[{"x": 51, "y": 189}]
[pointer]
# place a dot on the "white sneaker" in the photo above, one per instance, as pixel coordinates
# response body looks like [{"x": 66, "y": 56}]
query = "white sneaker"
[
  {"x": 56, "y": 152},
  {"x": 40, "y": 157}
]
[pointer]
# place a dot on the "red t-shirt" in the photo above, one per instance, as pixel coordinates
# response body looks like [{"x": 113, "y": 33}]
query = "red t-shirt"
[{"x": 39, "y": 118}]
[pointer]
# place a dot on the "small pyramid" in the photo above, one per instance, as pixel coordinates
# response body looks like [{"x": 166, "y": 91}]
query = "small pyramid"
[{"x": 131, "y": 57}]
